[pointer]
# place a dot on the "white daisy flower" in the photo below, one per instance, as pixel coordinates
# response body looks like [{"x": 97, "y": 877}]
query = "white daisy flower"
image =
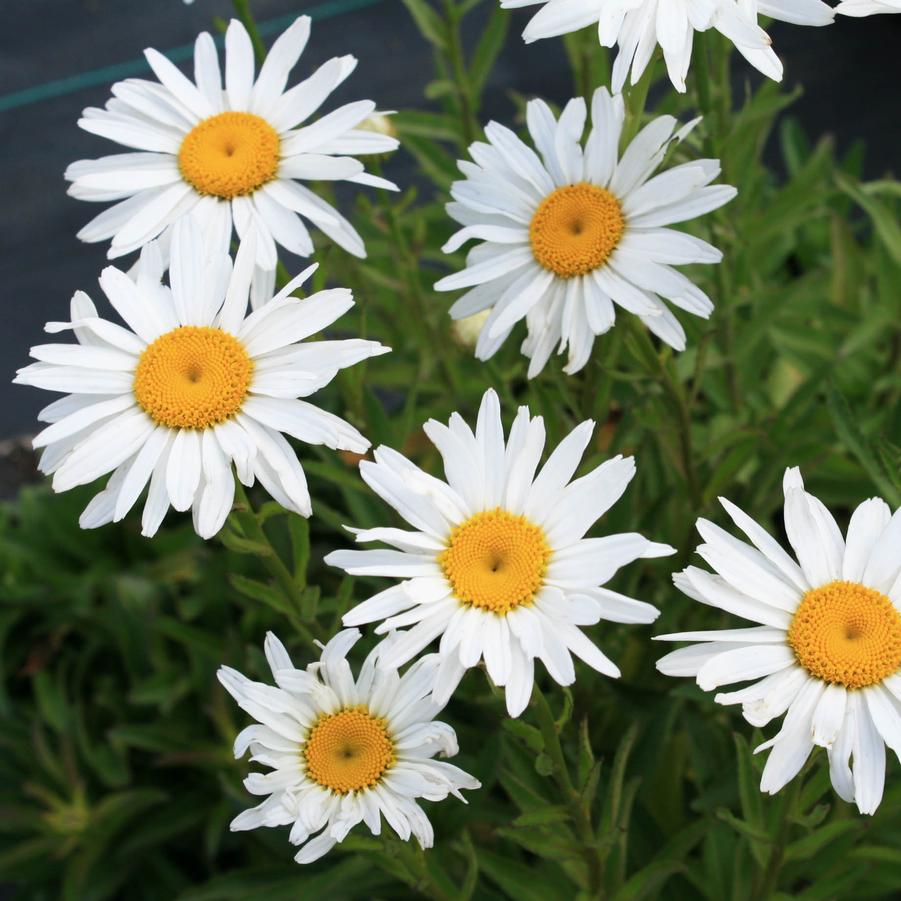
[
  {"x": 638, "y": 26},
  {"x": 797, "y": 12},
  {"x": 190, "y": 386},
  {"x": 861, "y": 8},
  {"x": 498, "y": 565},
  {"x": 235, "y": 155},
  {"x": 826, "y": 650},
  {"x": 343, "y": 751},
  {"x": 568, "y": 235}
]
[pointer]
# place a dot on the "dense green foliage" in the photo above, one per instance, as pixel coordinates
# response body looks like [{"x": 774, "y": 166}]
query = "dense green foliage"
[{"x": 117, "y": 773}]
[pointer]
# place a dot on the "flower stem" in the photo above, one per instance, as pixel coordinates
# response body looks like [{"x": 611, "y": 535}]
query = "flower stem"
[
  {"x": 468, "y": 123},
  {"x": 242, "y": 10},
  {"x": 420, "y": 877},
  {"x": 249, "y": 524},
  {"x": 711, "y": 67},
  {"x": 579, "y": 812},
  {"x": 636, "y": 100},
  {"x": 432, "y": 333},
  {"x": 767, "y": 879},
  {"x": 662, "y": 369}
]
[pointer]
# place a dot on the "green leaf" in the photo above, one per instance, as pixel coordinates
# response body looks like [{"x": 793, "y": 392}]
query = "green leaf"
[
  {"x": 648, "y": 880},
  {"x": 550, "y": 814},
  {"x": 241, "y": 545},
  {"x": 854, "y": 440},
  {"x": 259, "y": 591},
  {"x": 432, "y": 126},
  {"x": 748, "y": 783},
  {"x": 299, "y": 530},
  {"x": 567, "y": 710},
  {"x": 427, "y": 21},
  {"x": 755, "y": 833},
  {"x": 488, "y": 48},
  {"x": 586, "y": 753},
  {"x": 885, "y": 221},
  {"x": 807, "y": 847},
  {"x": 519, "y": 881},
  {"x": 613, "y": 805},
  {"x": 526, "y": 733}
]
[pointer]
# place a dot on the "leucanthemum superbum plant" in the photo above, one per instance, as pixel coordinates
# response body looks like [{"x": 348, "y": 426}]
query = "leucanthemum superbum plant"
[
  {"x": 498, "y": 566},
  {"x": 190, "y": 387},
  {"x": 825, "y": 652},
  {"x": 344, "y": 751},
  {"x": 523, "y": 558},
  {"x": 230, "y": 149},
  {"x": 567, "y": 236}
]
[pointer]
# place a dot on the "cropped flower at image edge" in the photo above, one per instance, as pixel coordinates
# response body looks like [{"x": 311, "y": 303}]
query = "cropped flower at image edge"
[{"x": 827, "y": 650}]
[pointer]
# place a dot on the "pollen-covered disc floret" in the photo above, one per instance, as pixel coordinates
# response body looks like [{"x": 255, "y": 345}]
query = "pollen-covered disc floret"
[
  {"x": 235, "y": 146},
  {"x": 192, "y": 390},
  {"x": 497, "y": 564},
  {"x": 343, "y": 750},
  {"x": 575, "y": 229},
  {"x": 572, "y": 229},
  {"x": 825, "y": 649},
  {"x": 229, "y": 155},
  {"x": 847, "y": 634},
  {"x": 496, "y": 561},
  {"x": 193, "y": 377},
  {"x": 349, "y": 750}
]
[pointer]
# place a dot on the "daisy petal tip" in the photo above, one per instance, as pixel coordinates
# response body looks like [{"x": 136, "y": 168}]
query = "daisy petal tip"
[{"x": 656, "y": 549}]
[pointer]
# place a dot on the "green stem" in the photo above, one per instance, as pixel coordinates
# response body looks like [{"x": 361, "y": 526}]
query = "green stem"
[
  {"x": 579, "y": 813},
  {"x": 457, "y": 61},
  {"x": 580, "y": 49},
  {"x": 247, "y": 519},
  {"x": 242, "y": 10},
  {"x": 700, "y": 67},
  {"x": 412, "y": 858},
  {"x": 636, "y": 101},
  {"x": 713, "y": 55},
  {"x": 597, "y": 388},
  {"x": 411, "y": 272},
  {"x": 700, "y": 367},
  {"x": 767, "y": 880},
  {"x": 681, "y": 405}
]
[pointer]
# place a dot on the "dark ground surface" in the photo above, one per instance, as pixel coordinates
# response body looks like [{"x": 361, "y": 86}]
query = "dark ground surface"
[{"x": 851, "y": 72}]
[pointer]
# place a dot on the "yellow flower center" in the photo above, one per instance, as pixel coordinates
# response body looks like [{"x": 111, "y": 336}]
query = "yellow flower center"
[
  {"x": 229, "y": 155},
  {"x": 496, "y": 561},
  {"x": 847, "y": 634},
  {"x": 349, "y": 750},
  {"x": 575, "y": 229},
  {"x": 192, "y": 377}
]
